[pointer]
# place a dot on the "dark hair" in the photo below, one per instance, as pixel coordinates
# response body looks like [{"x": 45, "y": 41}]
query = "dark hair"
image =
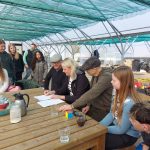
[
  {"x": 2, "y": 41},
  {"x": 35, "y": 59},
  {"x": 34, "y": 44},
  {"x": 141, "y": 112},
  {"x": 91, "y": 63}
]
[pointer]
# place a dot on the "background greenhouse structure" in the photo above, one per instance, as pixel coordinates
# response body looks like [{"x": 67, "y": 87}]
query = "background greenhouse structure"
[{"x": 76, "y": 28}]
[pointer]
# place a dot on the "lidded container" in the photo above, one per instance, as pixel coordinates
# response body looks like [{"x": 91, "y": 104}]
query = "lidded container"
[
  {"x": 19, "y": 99},
  {"x": 15, "y": 113}
]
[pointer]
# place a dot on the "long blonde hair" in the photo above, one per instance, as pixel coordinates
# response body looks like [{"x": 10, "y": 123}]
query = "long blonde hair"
[
  {"x": 125, "y": 76},
  {"x": 70, "y": 63},
  {"x": 16, "y": 56}
]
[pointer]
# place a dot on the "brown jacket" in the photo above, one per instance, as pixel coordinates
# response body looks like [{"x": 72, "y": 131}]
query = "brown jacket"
[{"x": 99, "y": 96}]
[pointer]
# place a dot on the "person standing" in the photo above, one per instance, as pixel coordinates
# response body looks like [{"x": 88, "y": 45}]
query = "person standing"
[
  {"x": 7, "y": 62},
  {"x": 39, "y": 68},
  {"x": 55, "y": 75},
  {"x": 28, "y": 58},
  {"x": 17, "y": 61}
]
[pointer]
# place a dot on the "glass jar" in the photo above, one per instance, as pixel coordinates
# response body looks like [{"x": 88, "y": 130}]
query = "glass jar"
[
  {"x": 15, "y": 113},
  {"x": 81, "y": 119}
]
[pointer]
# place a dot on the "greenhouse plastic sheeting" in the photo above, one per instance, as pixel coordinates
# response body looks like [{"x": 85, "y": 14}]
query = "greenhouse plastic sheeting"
[{"x": 23, "y": 20}]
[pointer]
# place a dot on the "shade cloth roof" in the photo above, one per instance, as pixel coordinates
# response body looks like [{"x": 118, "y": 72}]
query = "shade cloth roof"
[{"x": 22, "y": 20}]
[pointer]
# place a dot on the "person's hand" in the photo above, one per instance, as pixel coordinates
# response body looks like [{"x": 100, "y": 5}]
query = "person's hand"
[
  {"x": 26, "y": 66},
  {"x": 48, "y": 92},
  {"x": 65, "y": 108},
  {"x": 13, "y": 86},
  {"x": 57, "y": 97},
  {"x": 145, "y": 147},
  {"x": 85, "y": 109}
]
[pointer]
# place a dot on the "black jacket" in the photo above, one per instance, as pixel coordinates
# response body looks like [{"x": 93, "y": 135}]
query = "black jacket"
[
  {"x": 18, "y": 64},
  {"x": 57, "y": 78},
  {"x": 7, "y": 63},
  {"x": 30, "y": 57},
  {"x": 79, "y": 86}
]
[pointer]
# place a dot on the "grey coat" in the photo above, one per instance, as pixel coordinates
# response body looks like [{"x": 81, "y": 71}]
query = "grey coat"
[{"x": 39, "y": 72}]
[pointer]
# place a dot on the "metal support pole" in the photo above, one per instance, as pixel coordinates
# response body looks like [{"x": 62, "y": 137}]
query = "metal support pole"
[
  {"x": 131, "y": 43},
  {"x": 115, "y": 30},
  {"x": 65, "y": 38},
  {"x": 64, "y": 44}
]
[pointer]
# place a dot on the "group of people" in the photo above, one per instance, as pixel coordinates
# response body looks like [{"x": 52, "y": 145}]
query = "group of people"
[
  {"x": 12, "y": 66},
  {"x": 110, "y": 98},
  {"x": 9, "y": 67},
  {"x": 97, "y": 101}
]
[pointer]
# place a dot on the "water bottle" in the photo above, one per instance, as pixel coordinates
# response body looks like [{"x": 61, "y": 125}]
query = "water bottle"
[{"x": 15, "y": 113}]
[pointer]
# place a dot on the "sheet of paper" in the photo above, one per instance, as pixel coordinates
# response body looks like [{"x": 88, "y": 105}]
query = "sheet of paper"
[
  {"x": 51, "y": 102},
  {"x": 42, "y": 97}
]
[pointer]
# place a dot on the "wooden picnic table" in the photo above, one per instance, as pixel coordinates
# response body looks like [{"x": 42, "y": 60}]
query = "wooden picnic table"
[{"x": 38, "y": 130}]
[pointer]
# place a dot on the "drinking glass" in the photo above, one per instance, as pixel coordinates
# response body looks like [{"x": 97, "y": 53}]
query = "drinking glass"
[
  {"x": 54, "y": 110},
  {"x": 64, "y": 134}
]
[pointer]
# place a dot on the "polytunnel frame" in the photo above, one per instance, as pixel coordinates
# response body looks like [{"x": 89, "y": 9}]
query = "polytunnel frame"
[
  {"x": 119, "y": 35},
  {"x": 124, "y": 48}
]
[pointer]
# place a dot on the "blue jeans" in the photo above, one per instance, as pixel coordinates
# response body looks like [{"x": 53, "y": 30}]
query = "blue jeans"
[{"x": 28, "y": 73}]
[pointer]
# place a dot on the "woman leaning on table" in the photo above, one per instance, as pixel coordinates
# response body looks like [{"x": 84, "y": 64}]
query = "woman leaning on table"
[{"x": 75, "y": 85}]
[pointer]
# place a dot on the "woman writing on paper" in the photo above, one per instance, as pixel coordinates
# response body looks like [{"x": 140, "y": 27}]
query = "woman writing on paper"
[{"x": 75, "y": 84}]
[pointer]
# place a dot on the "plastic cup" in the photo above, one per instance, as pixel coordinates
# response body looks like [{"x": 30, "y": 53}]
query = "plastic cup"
[
  {"x": 64, "y": 135},
  {"x": 54, "y": 111}
]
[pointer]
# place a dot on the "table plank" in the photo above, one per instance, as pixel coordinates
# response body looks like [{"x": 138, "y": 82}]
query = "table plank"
[
  {"x": 39, "y": 133},
  {"x": 77, "y": 138}
]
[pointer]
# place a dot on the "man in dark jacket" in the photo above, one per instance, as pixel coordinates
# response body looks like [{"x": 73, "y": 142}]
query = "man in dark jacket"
[
  {"x": 6, "y": 61},
  {"x": 98, "y": 99},
  {"x": 55, "y": 74}
]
